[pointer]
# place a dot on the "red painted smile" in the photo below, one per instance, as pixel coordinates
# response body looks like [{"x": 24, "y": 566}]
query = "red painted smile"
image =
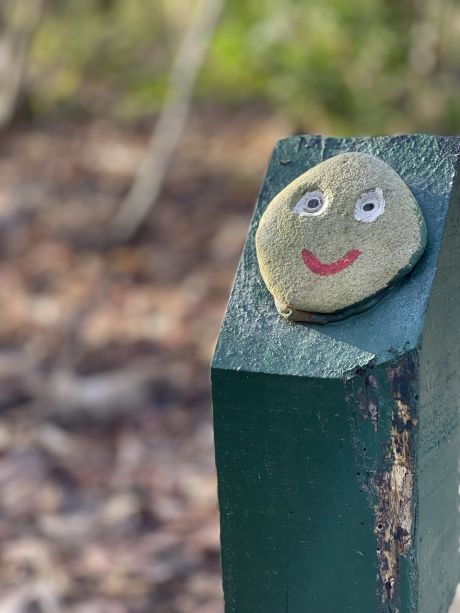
[{"x": 319, "y": 268}]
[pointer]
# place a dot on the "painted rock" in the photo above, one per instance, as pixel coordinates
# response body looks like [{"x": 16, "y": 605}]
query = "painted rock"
[{"x": 338, "y": 237}]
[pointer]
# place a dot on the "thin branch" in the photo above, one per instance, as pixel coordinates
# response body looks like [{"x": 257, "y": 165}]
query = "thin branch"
[
  {"x": 150, "y": 176},
  {"x": 15, "y": 41}
]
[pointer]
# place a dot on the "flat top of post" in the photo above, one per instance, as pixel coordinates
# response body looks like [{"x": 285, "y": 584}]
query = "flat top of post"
[{"x": 255, "y": 338}]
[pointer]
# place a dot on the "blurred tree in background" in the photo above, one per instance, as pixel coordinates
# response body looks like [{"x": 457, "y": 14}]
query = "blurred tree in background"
[
  {"x": 19, "y": 20},
  {"x": 342, "y": 66}
]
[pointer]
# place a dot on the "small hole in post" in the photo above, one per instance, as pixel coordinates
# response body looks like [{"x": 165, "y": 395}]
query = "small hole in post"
[{"x": 369, "y": 206}]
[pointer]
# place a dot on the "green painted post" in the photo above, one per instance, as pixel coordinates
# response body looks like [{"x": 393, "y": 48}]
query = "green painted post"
[{"x": 337, "y": 445}]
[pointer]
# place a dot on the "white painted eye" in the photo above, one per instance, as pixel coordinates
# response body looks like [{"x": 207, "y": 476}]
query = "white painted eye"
[
  {"x": 370, "y": 205},
  {"x": 311, "y": 204}
]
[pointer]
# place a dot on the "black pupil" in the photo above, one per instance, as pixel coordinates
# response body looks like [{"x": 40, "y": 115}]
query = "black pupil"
[
  {"x": 313, "y": 203},
  {"x": 369, "y": 206}
]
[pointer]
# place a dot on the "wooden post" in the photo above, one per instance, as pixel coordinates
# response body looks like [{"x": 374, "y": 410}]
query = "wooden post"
[{"x": 337, "y": 445}]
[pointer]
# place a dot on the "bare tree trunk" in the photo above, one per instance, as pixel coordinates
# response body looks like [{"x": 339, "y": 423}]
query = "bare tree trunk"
[
  {"x": 149, "y": 179},
  {"x": 19, "y": 20},
  {"x": 427, "y": 61}
]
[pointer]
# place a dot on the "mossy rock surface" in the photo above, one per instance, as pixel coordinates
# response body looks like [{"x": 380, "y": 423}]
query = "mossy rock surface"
[{"x": 339, "y": 235}]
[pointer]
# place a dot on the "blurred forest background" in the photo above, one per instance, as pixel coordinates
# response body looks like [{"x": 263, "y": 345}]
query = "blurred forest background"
[{"x": 107, "y": 486}]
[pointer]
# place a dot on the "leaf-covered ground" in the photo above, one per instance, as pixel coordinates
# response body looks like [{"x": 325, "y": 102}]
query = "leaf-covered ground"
[{"x": 107, "y": 482}]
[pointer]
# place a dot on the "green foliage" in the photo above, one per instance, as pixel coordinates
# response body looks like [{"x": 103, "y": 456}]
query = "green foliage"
[
  {"x": 346, "y": 66},
  {"x": 90, "y": 52}
]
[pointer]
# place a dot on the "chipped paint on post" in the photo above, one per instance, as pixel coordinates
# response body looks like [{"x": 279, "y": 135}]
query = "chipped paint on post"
[
  {"x": 394, "y": 512},
  {"x": 383, "y": 421},
  {"x": 382, "y": 416}
]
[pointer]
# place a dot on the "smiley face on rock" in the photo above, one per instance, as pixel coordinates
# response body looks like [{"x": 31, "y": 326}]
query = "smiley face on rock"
[{"x": 338, "y": 235}]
